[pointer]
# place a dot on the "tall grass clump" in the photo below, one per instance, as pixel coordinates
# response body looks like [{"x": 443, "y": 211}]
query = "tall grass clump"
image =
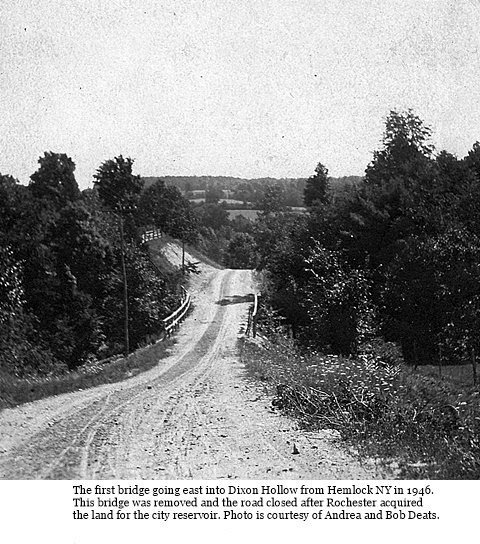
[
  {"x": 15, "y": 391},
  {"x": 423, "y": 427}
]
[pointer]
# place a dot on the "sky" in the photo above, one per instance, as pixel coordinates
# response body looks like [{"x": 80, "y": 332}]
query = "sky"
[{"x": 245, "y": 88}]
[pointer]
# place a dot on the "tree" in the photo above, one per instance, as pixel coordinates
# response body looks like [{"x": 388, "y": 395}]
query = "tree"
[
  {"x": 14, "y": 204},
  {"x": 22, "y": 351},
  {"x": 118, "y": 188},
  {"x": 274, "y": 233},
  {"x": 317, "y": 187},
  {"x": 432, "y": 296},
  {"x": 213, "y": 195},
  {"x": 55, "y": 181},
  {"x": 397, "y": 197},
  {"x": 406, "y": 153},
  {"x": 273, "y": 200},
  {"x": 182, "y": 222},
  {"x": 241, "y": 251},
  {"x": 164, "y": 207},
  {"x": 213, "y": 216}
]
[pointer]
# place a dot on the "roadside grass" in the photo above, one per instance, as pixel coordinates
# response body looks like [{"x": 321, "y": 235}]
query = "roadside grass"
[
  {"x": 457, "y": 374},
  {"x": 15, "y": 391},
  {"x": 418, "y": 426},
  {"x": 156, "y": 252},
  {"x": 199, "y": 256}
]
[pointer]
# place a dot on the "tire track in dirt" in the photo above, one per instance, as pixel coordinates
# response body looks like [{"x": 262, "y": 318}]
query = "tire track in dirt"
[
  {"x": 135, "y": 428},
  {"x": 193, "y": 416},
  {"x": 58, "y": 446}
]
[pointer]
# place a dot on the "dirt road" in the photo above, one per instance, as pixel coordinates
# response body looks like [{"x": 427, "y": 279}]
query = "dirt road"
[{"x": 193, "y": 416}]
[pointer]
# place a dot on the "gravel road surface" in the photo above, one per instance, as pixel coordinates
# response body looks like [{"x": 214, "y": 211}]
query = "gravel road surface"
[{"x": 194, "y": 416}]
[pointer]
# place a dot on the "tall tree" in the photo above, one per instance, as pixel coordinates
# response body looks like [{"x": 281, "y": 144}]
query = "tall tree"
[
  {"x": 118, "y": 188},
  {"x": 241, "y": 251},
  {"x": 406, "y": 152},
  {"x": 13, "y": 201},
  {"x": 164, "y": 207},
  {"x": 317, "y": 187},
  {"x": 472, "y": 160},
  {"x": 55, "y": 181}
]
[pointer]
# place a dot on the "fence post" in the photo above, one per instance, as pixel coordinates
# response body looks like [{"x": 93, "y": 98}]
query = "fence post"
[{"x": 254, "y": 316}]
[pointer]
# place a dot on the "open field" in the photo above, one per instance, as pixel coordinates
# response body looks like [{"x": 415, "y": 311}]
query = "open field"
[
  {"x": 248, "y": 214},
  {"x": 226, "y": 200}
]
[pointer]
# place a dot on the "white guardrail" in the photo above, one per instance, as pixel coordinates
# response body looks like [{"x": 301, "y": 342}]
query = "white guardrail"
[
  {"x": 252, "y": 317},
  {"x": 152, "y": 234},
  {"x": 172, "y": 322}
]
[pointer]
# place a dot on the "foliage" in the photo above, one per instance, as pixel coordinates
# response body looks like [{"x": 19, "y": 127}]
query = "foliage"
[
  {"x": 273, "y": 201},
  {"x": 55, "y": 181},
  {"x": 212, "y": 216},
  {"x": 21, "y": 348},
  {"x": 406, "y": 151},
  {"x": 118, "y": 188},
  {"x": 213, "y": 195},
  {"x": 325, "y": 303},
  {"x": 399, "y": 251},
  {"x": 275, "y": 235},
  {"x": 420, "y": 427},
  {"x": 336, "y": 300},
  {"x": 317, "y": 187},
  {"x": 164, "y": 207},
  {"x": 13, "y": 203},
  {"x": 432, "y": 297},
  {"x": 241, "y": 251},
  {"x": 61, "y": 292}
]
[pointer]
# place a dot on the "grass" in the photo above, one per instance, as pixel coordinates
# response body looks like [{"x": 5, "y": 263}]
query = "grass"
[
  {"x": 196, "y": 254},
  {"x": 461, "y": 375},
  {"x": 424, "y": 427},
  {"x": 15, "y": 391},
  {"x": 156, "y": 252}
]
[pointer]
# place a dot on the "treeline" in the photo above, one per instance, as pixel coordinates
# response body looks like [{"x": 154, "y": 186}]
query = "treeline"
[
  {"x": 66, "y": 256},
  {"x": 396, "y": 257},
  {"x": 250, "y": 192}
]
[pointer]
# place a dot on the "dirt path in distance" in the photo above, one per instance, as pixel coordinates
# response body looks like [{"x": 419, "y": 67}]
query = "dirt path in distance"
[{"x": 193, "y": 416}]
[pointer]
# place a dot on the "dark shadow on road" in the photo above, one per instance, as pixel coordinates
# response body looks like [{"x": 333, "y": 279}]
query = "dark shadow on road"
[{"x": 235, "y": 299}]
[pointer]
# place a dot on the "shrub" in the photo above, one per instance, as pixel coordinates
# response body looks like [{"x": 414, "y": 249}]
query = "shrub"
[{"x": 430, "y": 429}]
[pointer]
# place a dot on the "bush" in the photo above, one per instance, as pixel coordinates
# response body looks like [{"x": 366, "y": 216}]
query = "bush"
[{"x": 430, "y": 429}]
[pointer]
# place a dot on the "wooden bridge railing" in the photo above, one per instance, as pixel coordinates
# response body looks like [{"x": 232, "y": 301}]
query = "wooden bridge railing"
[{"x": 172, "y": 322}]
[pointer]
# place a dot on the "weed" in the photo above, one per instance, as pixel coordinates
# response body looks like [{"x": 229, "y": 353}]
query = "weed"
[{"x": 430, "y": 428}]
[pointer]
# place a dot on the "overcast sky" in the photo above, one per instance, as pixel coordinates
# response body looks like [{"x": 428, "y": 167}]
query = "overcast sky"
[{"x": 246, "y": 88}]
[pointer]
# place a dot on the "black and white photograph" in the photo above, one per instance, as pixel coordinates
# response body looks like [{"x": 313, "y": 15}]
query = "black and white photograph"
[{"x": 240, "y": 249}]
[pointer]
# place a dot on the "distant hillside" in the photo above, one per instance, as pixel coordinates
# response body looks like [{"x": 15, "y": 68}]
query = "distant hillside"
[
  {"x": 201, "y": 183},
  {"x": 249, "y": 191}
]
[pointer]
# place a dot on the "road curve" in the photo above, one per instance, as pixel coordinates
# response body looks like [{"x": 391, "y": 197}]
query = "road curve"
[{"x": 193, "y": 416}]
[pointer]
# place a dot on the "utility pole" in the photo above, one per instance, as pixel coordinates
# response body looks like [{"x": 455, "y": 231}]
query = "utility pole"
[
  {"x": 125, "y": 288},
  {"x": 183, "y": 254}
]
